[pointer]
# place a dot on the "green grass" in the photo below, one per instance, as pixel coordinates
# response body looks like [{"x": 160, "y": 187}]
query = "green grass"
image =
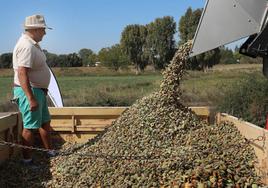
[
  {"x": 106, "y": 88},
  {"x": 96, "y": 90},
  {"x": 205, "y": 88}
]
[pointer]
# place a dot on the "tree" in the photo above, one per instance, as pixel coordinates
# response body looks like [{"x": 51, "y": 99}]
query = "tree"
[
  {"x": 227, "y": 56},
  {"x": 88, "y": 57},
  {"x": 133, "y": 40},
  {"x": 6, "y": 60},
  {"x": 236, "y": 54},
  {"x": 52, "y": 59},
  {"x": 61, "y": 60},
  {"x": 70, "y": 60},
  {"x": 113, "y": 57},
  {"x": 187, "y": 27},
  {"x": 206, "y": 60},
  {"x": 188, "y": 24},
  {"x": 160, "y": 43},
  {"x": 73, "y": 60}
]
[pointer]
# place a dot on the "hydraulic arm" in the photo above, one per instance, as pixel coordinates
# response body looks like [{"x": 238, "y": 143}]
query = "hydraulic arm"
[{"x": 225, "y": 21}]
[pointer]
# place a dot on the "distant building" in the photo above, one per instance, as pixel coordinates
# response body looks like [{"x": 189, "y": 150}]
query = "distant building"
[{"x": 97, "y": 63}]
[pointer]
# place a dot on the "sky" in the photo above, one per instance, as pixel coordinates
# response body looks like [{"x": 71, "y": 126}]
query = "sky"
[{"x": 78, "y": 24}]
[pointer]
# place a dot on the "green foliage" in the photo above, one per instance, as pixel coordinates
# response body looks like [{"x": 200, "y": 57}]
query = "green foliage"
[
  {"x": 187, "y": 27},
  {"x": 73, "y": 60},
  {"x": 188, "y": 24},
  {"x": 160, "y": 43},
  {"x": 236, "y": 54},
  {"x": 227, "y": 56},
  {"x": 205, "y": 61},
  {"x": 6, "y": 60},
  {"x": 70, "y": 60},
  {"x": 52, "y": 59},
  {"x": 88, "y": 57},
  {"x": 113, "y": 57},
  {"x": 245, "y": 59},
  {"x": 133, "y": 39},
  {"x": 247, "y": 99}
]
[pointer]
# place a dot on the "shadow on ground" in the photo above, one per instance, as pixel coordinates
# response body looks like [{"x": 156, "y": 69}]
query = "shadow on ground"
[{"x": 13, "y": 173}]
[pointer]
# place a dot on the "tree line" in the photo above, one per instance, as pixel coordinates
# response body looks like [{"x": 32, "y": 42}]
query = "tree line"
[{"x": 141, "y": 45}]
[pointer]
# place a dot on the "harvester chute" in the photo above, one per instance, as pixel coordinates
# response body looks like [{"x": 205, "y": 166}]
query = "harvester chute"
[{"x": 226, "y": 21}]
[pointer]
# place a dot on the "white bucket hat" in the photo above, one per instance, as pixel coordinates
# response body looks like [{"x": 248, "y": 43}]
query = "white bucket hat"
[{"x": 35, "y": 21}]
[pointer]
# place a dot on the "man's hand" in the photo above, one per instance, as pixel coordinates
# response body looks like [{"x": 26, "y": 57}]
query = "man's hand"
[{"x": 33, "y": 104}]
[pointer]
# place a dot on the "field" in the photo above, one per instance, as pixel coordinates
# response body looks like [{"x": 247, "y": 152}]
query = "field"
[{"x": 104, "y": 87}]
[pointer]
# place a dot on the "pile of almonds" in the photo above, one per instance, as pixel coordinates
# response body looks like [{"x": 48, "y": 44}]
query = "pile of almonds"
[{"x": 158, "y": 142}]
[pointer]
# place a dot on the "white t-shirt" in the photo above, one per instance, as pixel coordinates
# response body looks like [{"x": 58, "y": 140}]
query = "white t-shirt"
[{"x": 27, "y": 53}]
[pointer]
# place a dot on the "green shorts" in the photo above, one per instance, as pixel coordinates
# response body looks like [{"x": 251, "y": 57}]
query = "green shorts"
[{"x": 35, "y": 119}]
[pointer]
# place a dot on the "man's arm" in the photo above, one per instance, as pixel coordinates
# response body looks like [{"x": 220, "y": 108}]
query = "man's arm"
[{"x": 25, "y": 85}]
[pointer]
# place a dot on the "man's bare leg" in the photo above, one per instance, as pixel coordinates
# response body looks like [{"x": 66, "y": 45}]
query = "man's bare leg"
[
  {"x": 44, "y": 132},
  {"x": 27, "y": 139}
]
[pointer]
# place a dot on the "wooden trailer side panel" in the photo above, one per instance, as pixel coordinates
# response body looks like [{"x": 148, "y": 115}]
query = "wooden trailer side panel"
[
  {"x": 78, "y": 124},
  {"x": 10, "y": 130},
  {"x": 259, "y": 137}
]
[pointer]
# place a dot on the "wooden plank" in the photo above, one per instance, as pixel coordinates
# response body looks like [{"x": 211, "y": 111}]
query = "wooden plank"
[
  {"x": 102, "y": 111},
  {"x": 10, "y": 131},
  {"x": 73, "y": 123},
  {"x": 6, "y": 135},
  {"x": 88, "y": 116},
  {"x": 80, "y": 128},
  {"x": 201, "y": 111},
  {"x": 104, "y": 117},
  {"x": 100, "y": 122},
  {"x": 20, "y": 127},
  {"x": 107, "y": 111},
  {"x": 2, "y": 114},
  {"x": 8, "y": 121},
  {"x": 74, "y": 138},
  {"x": 4, "y": 150}
]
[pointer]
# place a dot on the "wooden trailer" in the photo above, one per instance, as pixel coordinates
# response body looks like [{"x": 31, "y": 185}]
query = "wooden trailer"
[
  {"x": 78, "y": 124},
  {"x": 10, "y": 131}
]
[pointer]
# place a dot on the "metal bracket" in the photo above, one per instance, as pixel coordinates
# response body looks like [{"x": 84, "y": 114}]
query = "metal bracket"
[{"x": 73, "y": 123}]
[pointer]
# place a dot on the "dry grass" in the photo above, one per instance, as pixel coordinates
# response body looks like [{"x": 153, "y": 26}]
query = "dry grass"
[
  {"x": 80, "y": 71},
  {"x": 221, "y": 67},
  {"x": 6, "y": 72}
]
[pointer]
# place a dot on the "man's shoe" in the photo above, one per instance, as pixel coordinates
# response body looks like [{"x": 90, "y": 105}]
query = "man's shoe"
[
  {"x": 52, "y": 153},
  {"x": 29, "y": 163}
]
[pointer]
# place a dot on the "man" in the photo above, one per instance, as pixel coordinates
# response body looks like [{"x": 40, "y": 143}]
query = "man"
[{"x": 31, "y": 80}]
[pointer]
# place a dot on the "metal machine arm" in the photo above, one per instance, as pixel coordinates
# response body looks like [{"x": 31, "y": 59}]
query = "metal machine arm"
[
  {"x": 257, "y": 46},
  {"x": 225, "y": 21}
]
